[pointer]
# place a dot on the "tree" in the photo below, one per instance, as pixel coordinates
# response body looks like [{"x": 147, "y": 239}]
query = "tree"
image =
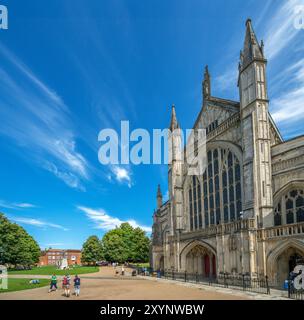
[
  {"x": 114, "y": 245},
  {"x": 92, "y": 250},
  {"x": 126, "y": 243},
  {"x": 140, "y": 250},
  {"x": 17, "y": 246}
]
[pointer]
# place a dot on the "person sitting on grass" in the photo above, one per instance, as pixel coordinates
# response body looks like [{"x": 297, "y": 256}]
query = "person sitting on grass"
[
  {"x": 53, "y": 285},
  {"x": 77, "y": 285}
]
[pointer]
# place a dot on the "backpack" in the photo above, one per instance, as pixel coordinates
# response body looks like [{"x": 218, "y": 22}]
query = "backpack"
[{"x": 65, "y": 281}]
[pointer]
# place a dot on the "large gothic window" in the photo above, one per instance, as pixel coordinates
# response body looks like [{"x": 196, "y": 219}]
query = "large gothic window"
[
  {"x": 291, "y": 205},
  {"x": 219, "y": 198},
  {"x": 195, "y": 204}
]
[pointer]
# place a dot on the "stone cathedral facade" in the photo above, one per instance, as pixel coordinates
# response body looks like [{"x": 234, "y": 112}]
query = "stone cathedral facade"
[{"x": 245, "y": 213}]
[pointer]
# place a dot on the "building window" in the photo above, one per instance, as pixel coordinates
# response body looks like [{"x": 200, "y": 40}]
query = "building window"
[
  {"x": 212, "y": 126},
  {"x": 277, "y": 215},
  {"x": 191, "y": 209},
  {"x": 220, "y": 192},
  {"x": 195, "y": 204},
  {"x": 293, "y": 203}
]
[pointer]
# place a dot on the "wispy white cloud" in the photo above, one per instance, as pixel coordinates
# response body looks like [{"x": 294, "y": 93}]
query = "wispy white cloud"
[
  {"x": 121, "y": 174},
  {"x": 71, "y": 179},
  {"x": 104, "y": 221},
  {"x": 16, "y": 205},
  {"x": 52, "y": 95},
  {"x": 283, "y": 43},
  {"x": 284, "y": 46},
  {"x": 288, "y": 106},
  {"x": 38, "y": 121},
  {"x": 25, "y": 205},
  {"x": 36, "y": 222},
  {"x": 280, "y": 29},
  {"x": 227, "y": 80}
]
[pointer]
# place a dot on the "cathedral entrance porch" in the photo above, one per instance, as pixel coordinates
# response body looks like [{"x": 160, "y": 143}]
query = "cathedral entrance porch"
[
  {"x": 286, "y": 263},
  {"x": 199, "y": 259},
  {"x": 283, "y": 260}
]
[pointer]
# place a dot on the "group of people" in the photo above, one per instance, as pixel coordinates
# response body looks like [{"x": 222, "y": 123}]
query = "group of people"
[{"x": 66, "y": 283}]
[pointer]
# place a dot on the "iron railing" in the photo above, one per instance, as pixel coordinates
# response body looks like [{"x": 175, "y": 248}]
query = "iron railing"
[
  {"x": 225, "y": 280},
  {"x": 293, "y": 293}
]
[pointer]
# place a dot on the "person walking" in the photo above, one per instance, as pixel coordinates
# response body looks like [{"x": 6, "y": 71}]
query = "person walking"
[
  {"x": 66, "y": 285},
  {"x": 53, "y": 283},
  {"x": 77, "y": 285},
  {"x": 69, "y": 284}
]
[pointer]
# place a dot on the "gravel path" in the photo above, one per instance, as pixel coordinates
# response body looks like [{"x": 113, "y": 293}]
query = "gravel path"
[{"x": 104, "y": 285}]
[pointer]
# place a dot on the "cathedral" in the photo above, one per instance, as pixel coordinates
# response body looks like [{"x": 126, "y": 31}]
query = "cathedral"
[{"x": 245, "y": 213}]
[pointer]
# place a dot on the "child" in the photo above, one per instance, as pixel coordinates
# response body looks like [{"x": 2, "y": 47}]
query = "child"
[
  {"x": 53, "y": 283},
  {"x": 77, "y": 285}
]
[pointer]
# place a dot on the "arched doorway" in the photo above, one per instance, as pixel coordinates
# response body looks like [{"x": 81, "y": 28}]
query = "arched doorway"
[
  {"x": 161, "y": 263},
  {"x": 286, "y": 263},
  {"x": 201, "y": 260},
  {"x": 283, "y": 260}
]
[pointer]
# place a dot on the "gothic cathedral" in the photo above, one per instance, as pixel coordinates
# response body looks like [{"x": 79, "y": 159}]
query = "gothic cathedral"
[{"x": 245, "y": 213}]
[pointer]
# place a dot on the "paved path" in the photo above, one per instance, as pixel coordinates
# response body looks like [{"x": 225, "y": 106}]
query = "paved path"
[{"x": 105, "y": 285}]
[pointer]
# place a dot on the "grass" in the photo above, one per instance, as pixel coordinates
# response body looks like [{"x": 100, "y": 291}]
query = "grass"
[
  {"x": 143, "y": 264},
  {"x": 49, "y": 270},
  {"x": 23, "y": 284}
]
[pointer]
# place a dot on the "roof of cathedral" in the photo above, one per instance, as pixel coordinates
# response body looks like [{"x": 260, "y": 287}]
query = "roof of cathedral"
[
  {"x": 218, "y": 102},
  {"x": 223, "y": 102}
]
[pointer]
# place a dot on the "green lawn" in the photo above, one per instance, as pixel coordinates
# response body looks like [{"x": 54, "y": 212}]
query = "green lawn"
[
  {"x": 48, "y": 270},
  {"x": 143, "y": 264},
  {"x": 23, "y": 284}
]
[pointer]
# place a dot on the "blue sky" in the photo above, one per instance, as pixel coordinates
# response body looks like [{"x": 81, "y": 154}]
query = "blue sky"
[{"x": 71, "y": 68}]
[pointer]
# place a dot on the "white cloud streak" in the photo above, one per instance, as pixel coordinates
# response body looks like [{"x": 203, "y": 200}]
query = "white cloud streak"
[
  {"x": 37, "y": 119},
  {"x": 289, "y": 106},
  {"x": 284, "y": 46},
  {"x": 104, "y": 221},
  {"x": 280, "y": 29},
  {"x": 16, "y": 205},
  {"x": 36, "y": 223}
]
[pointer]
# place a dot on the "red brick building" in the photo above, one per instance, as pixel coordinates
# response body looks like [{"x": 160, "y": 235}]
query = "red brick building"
[{"x": 54, "y": 257}]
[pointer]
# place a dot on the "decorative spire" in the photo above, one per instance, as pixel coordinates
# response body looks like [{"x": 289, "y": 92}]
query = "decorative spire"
[
  {"x": 159, "y": 191},
  {"x": 252, "y": 50},
  {"x": 173, "y": 123},
  {"x": 159, "y": 197},
  {"x": 206, "y": 84}
]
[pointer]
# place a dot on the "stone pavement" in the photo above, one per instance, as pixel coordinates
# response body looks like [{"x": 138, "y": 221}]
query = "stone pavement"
[{"x": 105, "y": 285}]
